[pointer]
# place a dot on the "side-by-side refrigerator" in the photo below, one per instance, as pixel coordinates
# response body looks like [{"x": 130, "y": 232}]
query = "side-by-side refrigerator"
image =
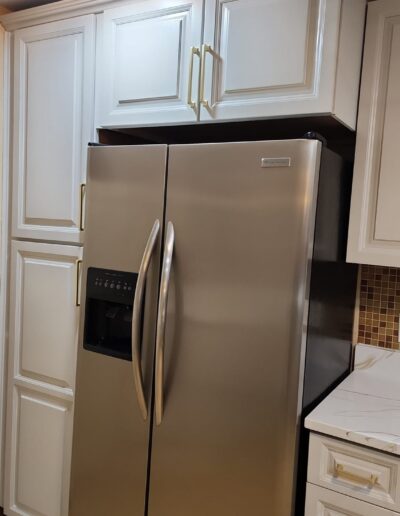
[{"x": 216, "y": 309}]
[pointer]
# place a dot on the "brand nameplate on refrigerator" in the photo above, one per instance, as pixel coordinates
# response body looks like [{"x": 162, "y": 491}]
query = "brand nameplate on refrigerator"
[{"x": 275, "y": 162}]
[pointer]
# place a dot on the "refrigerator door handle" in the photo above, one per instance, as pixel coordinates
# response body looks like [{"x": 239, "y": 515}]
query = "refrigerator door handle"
[
  {"x": 137, "y": 317},
  {"x": 161, "y": 318}
]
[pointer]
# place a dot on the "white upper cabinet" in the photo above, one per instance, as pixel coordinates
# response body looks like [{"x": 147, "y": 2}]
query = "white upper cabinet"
[
  {"x": 269, "y": 58},
  {"x": 53, "y": 122},
  {"x": 257, "y": 59},
  {"x": 148, "y": 72},
  {"x": 374, "y": 233}
]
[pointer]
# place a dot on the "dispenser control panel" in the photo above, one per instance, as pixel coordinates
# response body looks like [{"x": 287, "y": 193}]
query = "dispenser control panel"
[
  {"x": 111, "y": 285},
  {"x": 108, "y": 312}
]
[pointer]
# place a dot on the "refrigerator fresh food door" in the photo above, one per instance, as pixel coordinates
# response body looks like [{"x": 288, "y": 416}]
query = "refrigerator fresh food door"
[
  {"x": 120, "y": 279},
  {"x": 231, "y": 327}
]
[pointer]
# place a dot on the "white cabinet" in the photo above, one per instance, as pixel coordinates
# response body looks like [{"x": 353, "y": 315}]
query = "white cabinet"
[
  {"x": 347, "y": 479},
  {"x": 43, "y": 345},
  {"x": 374, "y": 232},
  {"x": 258, "y": 59},
  {"x": 273, "y": 58},
  {"x": 40, "y": 449},
  {"x": 323, "y": 502},
  {"x": 53, "y": 86},
  {"x": 369, "y": 475},
  {"x": 145, "y": 73}
]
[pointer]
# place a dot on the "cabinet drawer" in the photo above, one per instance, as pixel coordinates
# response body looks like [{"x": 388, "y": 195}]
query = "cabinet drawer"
[
  {"x": 350, "y": 469},
  {"x": 323, "y": 502}
]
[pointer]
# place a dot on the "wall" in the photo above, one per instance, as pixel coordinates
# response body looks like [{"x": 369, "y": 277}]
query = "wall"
[{"x": 379, "y": 306}]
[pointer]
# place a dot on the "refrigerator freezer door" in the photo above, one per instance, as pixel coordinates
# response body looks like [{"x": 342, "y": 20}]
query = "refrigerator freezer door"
[
  {"x": 125, "y": 196},
  {"x": 243, "y": 218}
]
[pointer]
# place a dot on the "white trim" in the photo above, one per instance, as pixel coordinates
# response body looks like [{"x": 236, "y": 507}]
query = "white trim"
[
  {"x": 4, "y": 252},
  {"x": 58, "y": 11}
]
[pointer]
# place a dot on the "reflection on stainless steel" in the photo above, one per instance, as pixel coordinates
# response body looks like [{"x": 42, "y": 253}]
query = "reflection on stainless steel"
[
  {"x": 137, "y": 317},
  {"x": 162, "y": 313}
]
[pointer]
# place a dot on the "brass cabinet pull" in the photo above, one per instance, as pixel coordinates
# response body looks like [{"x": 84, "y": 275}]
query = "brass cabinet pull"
[
  {"x": 340, "y": 472},
  {"x": 194, "y": 51},
  {"x": 204, "y": 49},
  {"x": 78, "y": 282},
  {"x": 81, "y": 215}
]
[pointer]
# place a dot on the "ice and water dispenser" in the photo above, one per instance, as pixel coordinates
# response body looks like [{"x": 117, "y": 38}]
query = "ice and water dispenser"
[{"x": 108, "y": 314}]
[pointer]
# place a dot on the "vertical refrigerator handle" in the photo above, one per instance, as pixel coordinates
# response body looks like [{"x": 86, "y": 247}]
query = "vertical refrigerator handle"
[
  {"x": 161, "y": 318},
  {"x": 137, "y": 317}
]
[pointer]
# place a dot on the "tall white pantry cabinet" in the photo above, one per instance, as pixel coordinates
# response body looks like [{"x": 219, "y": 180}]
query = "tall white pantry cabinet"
[
  {"x": 75, "y": 65},
  {"x": 52, "y": 120}
]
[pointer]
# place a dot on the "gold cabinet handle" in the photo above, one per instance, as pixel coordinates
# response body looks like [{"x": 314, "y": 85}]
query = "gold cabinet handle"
[
  {"x": 81, "y": 215},
  {"x": 194, "y": 51},
  {"x": 204, "y": 49},
  {"x": 340, "y": 472},
  {"x": 78, "y": 282}
]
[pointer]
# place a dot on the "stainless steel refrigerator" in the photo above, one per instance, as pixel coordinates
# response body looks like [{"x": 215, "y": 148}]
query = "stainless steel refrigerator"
[{"x": 216, "y": 308}]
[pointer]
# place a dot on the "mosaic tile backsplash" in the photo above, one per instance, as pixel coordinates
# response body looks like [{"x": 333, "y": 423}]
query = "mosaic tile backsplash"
[{"x": 379, "y": 306}]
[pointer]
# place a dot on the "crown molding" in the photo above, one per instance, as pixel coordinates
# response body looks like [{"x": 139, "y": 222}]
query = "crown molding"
[{"x": 57, "y": 11}]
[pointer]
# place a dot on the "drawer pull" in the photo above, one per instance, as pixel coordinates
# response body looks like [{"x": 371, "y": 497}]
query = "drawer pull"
[{"x": 340, "y": 472}]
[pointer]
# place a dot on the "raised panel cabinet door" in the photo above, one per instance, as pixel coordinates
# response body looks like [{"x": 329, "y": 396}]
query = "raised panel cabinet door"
[
  {"x": 149, "y": 60},
  {"x": 53, "y": 122},
  {"x": 45, "y": 292},
  {"x": 369, "y": 475},
  {"x": 374, "y": 232},
  {"x": 324, "y": 502},
  {"x": 38, "y": 454},
  {"x": 266, "y": 58},
  {"x": 44, "y": 297}
]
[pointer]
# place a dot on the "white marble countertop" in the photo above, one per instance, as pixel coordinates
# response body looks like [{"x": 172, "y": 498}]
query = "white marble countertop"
[{"x": 365, "y": 407}]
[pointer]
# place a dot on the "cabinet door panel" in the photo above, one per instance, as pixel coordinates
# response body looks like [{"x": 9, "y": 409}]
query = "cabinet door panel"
[
  {"x": 44, "y": 315},
  {"x": 388, "y": 206},
  {"x": 53, "y": 122},
  {"x": 40, "y": 440},
  {"x": 280, "y": 58},
  {"x": 324, "y": 502},
  {"x": 266, "y": 56},
  {"x": 284, "y": 56},
  {"x": 151, "y": 71},
  {"x": 374, "y": 235},
  {"x": 144, "y": 71},
  {"x": 357, "y": 463}
]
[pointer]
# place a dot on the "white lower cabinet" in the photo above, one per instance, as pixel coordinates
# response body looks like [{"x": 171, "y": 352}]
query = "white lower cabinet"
[
  {"x": 323, "y": 502},
  {"x": 352, "y": 480},
  {"x": 43, "y": 340}
]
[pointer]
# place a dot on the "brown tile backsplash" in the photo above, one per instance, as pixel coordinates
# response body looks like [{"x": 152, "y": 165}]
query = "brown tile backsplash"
[{"x": 379, "y": 306}]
